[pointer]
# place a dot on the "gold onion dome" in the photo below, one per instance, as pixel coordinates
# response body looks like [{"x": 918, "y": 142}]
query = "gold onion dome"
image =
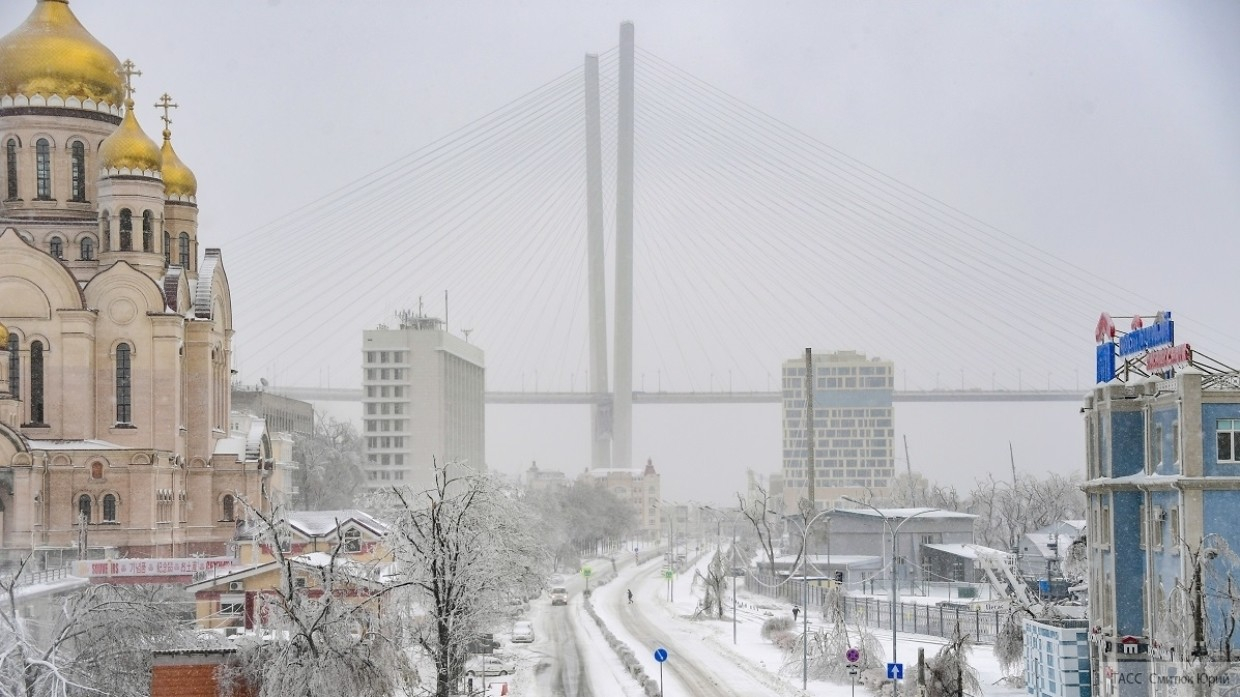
[
  {"x": 128, "y": 148},
  {"x": 51, "y": 53},
  {"x": 4, "y": 337},
  {"x": 179, "y": 180}
]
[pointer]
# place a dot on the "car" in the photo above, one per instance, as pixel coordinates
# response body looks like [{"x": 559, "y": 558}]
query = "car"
[
  {"x": 489, "y": 665},
  {"x": 522, "y": 632},
  {"x": 559, "y": 595}
]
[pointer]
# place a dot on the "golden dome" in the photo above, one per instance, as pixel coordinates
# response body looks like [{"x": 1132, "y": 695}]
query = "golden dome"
[
  {"x": 178, "y": 179},
  {"x": 51, "y": 53},
  {"x": 4, "y": 337},
  {"x": 128, "y": 147}
]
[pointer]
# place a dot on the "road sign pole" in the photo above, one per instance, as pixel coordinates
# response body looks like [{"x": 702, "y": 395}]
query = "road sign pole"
[{"x": 660, "y": 679}]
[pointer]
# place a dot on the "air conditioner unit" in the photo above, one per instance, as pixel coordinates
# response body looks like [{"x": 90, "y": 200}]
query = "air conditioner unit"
[{"x": 236, "y": 586}]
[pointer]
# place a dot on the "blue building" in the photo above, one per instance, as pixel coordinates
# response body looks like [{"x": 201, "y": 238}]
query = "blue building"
[{"x": 1163, "y": 457}]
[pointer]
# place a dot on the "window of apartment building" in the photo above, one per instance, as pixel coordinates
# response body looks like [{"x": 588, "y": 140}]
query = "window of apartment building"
[
  {"x": 1174, "y": 518},
  {"x": 1156, "y": 441},
  {"x": 1229, "y": 440},
  {"x": 398, "y": 459},
  {"x": 399, "y": 475},
  {"x": 232, "y": 609}
]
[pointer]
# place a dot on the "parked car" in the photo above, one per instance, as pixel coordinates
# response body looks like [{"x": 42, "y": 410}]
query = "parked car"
[
  {"x": 559, "y": 596},
  {"x": 490, "y": 665},
  {"x": 522, "y": 632}
]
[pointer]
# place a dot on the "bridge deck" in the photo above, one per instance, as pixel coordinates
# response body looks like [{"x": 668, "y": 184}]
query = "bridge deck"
[{"x": 337, "y": 394}]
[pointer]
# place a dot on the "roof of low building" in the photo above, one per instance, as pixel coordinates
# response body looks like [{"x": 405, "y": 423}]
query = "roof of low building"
[
  {"x": 965, "y": 550},
  {"x": 905, "y": 513}
]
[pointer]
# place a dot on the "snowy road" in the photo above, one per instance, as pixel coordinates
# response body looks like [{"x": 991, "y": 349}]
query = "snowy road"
[{"x": 694, "y": 666}]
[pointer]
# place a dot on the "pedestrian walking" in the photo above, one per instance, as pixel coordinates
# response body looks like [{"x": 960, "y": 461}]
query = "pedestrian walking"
[
  {"x": 795, "y": 611},
  {"x": 630, "y": 596}
]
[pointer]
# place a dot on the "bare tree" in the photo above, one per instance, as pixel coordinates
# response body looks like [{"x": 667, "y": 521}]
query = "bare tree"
[
  {"x": 327, "y": 629},
  {"x": 949, "y": 673},
  {"x": 81, "y": 638},
  {"x": 761, "y": 512},
  {"x": 715, "y": 582},
  {"x": 330, "y": 461},
  {"x": 462, "y": 546}
]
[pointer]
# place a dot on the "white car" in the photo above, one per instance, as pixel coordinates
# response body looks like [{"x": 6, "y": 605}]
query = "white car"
[
  {"x": 522, "y": 632},
  {"x": 491, "y": 665}
]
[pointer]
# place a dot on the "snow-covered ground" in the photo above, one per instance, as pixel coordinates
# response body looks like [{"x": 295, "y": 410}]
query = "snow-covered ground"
[{"x": 737, "y": 662}]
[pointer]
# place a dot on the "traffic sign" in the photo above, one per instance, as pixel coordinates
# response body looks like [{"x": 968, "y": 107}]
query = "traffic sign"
[
  {"x": 895, "y": 671},
  {"x": 853, "y": 669},
  {"x": 586, "y": 571},
  {"x": 660, "y": 654},
  {"x": 668, "y": 573},
  {"x": 852, "y": 655}
]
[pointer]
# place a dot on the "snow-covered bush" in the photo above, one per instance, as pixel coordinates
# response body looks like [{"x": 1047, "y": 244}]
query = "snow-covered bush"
[
  {"x": 949, "y": 672},
  {"x": 774, "y": 626}
]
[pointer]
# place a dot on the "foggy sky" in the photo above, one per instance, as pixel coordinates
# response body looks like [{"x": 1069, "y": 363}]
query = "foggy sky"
[{"x": 1103, "y": 133}]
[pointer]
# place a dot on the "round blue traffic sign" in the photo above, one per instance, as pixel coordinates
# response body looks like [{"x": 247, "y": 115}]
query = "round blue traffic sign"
[
  {"x": 852, "y": 655},
  {"x": 660, "y": 654}
]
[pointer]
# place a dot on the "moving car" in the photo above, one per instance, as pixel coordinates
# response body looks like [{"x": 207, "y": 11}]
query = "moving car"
[
  {"x": 522, "y": 632},
  {"x": 490, "y": 665},
  {"x": 559, "y": 595}
]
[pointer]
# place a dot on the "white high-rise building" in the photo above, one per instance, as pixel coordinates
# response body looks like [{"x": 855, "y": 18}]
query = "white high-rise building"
[
  {"x": 854, "y": 428},
  {"x": 422, "y": 402}
]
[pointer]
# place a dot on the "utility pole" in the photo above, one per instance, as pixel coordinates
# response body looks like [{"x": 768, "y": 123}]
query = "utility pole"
[{"x": 908, "y": 469}]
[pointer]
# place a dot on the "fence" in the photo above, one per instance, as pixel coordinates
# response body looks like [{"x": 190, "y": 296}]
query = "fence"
[
  {"x": 30, "y": 578},
  {"x": 914, "y": 618}
]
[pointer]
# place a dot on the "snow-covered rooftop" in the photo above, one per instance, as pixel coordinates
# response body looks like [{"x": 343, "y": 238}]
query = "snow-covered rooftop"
[
  {"x": 319, "y": 523},
  {"x": 905, "y": 512},
  {"x": 966, "y": 551}
]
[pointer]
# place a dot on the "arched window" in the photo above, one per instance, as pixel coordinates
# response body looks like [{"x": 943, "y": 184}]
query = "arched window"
[
  {"x": 124, "y": 405},
  {"x": 10, "y": 149},
  {"x": 148, "y": 233},
  {"x": 229, "y": 507},
  {"x": 185, "y": 250},
  {"x": 105, "y": 230},
  {"x": 78, "y": 157},
  {"x": 88, "y": 249},
  {"x": 36, "y": 382},
  {"x": 56, "y": 248},
  {"x": 109, "y": 508},
  {"x": 167, "y": 249},
  {"x": 126, "y": 230},
  {"x": 43, "y": 169},
  {"x": 15, "y": 367},
  {"x": 84, "y": 507}
]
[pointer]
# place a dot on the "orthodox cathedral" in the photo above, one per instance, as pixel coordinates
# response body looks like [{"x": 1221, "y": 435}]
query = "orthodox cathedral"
[{"x": 115, "y": 328}]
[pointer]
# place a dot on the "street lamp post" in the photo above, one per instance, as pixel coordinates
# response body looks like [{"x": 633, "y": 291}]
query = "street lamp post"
[
  {"x": 895, "y": 686},
  {"x": 805, "y": 594},
  {"x": 731, "y": 566}
]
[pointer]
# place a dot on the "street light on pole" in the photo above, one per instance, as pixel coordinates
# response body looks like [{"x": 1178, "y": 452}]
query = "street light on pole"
[
  {"x": 805, "y": 593},
  {"x": 895, "y": 686},
  {"x": 731, "y": 565}
]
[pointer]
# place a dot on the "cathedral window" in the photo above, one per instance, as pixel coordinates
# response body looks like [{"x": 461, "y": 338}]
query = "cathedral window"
[
  {"x": 43, "y": 169},
  {"x": 84, "y": 508},
  {"x": 124, "y": 404},
  {"x": 126, "y": 230},
  {"x": 11, "y": 162},
  {"x": 109, "y": 508},
  {"x": 36, "y": 382},
  {"x": 105, "y": 230},
  {"x": 167, "y": 249},
  {"x": 78, "y": 158},
  {"x": 88, "y": 249},
  {"x": 148, "y": 233},
  {"x": 15, "y": 367},
  {"x": 229, "y": 507},
  {"x": 56, "y": 247},
  {"x": 185, "y": 250}
]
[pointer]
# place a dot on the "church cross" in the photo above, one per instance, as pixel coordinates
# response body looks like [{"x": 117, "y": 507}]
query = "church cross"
[
  {"x": 165, "y": 103},
  {"x": 127, "y": 72}
]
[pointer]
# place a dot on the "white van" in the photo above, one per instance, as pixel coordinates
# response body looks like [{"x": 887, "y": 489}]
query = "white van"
[{"x": 559, "y": 596}]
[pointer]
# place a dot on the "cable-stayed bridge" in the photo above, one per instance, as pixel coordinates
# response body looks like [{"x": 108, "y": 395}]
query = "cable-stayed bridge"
[{"x": 720, "y": 240}]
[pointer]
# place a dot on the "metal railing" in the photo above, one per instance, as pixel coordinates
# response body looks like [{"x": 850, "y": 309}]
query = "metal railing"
[
  {"x": 31, "y": 578},
  {"x": 981, "y": 626}
]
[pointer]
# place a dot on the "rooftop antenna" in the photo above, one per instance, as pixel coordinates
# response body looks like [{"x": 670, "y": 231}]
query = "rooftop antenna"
[
  {"x": 466, "y": 332},
  {"x": 445, "y": 310}
]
